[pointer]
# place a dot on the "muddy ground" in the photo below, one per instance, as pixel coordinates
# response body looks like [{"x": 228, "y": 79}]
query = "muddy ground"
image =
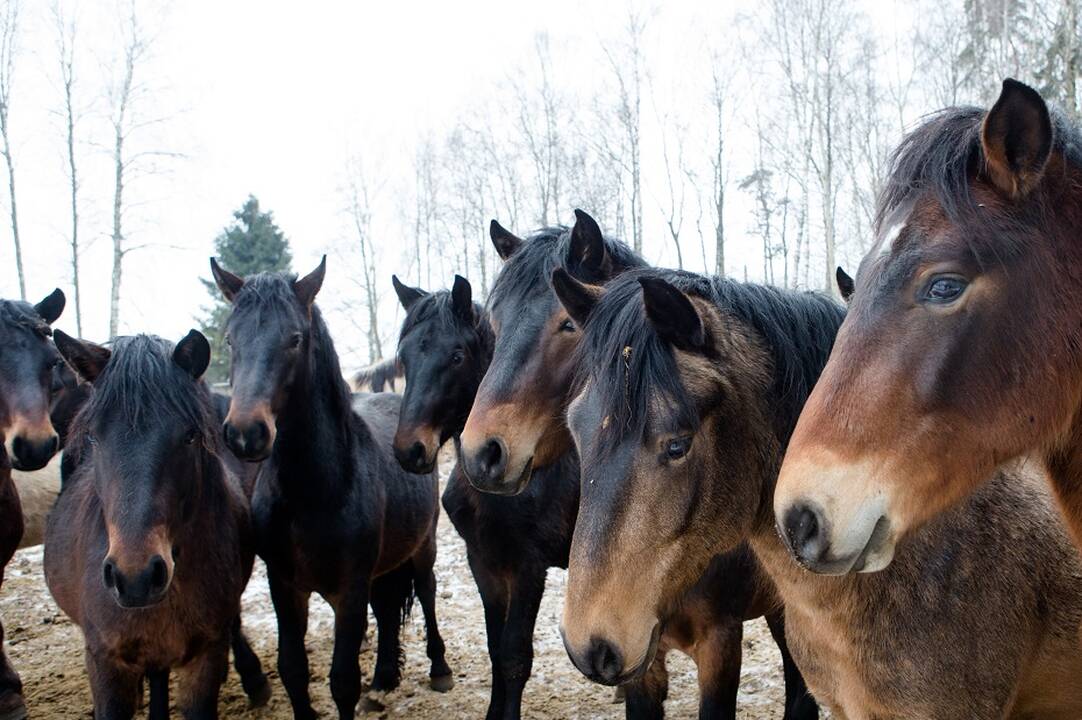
[{"x": 47, "y": 650}]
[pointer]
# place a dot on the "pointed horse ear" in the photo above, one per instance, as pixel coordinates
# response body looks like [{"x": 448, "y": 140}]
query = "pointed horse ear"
[
  {"x": 846, "y": 286},
  {"x": 1016, "y": 138},
  {"x": 50, "y": 308},
  {"x": 192, "y": 354},
  {"x": 578, "y": 299},
  {"x": 505, "y": 241},
  {"x": 462, "y": 298},
  {"x": 673, "y": 315},
  {"x": 406, "y": 295},
  {"x": 85, "y": 358},
  {"x": 227, "y": 282},
  {"x": 587, "y": 258},
  {"x": 308, "y": 286}
]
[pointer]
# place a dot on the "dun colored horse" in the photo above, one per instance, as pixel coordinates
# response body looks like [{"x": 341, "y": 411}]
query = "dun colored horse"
[
  {"x": 28, "y": 361},
  {"x": 689, "y": 389},
  {"x": 522, "y": 399},
  {"x": 333, "y": 512},
  {"x": 963, "y": 345},
  {"x": 149, "y": 547}
]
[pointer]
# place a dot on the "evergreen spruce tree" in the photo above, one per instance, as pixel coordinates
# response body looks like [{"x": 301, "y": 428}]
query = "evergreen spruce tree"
[{"x": 252, "y": 244}]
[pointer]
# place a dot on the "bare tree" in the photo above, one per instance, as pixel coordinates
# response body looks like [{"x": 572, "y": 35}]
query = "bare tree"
[
  {"x": 540, "y": 121},
  {"x": 9, "y": 27},
  {"x": 359, "y": 208},
  {"x": 673, "y": 205},
  {"x": 718, "y": 94},
  {"x": 65, "y": 47}
]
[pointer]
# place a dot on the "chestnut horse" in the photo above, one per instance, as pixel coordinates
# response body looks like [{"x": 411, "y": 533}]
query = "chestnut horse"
[
  {"x": 688, "y": 391},
  {"x": 333, "y": 512},
  {"x": 963, "y": 345},
  {"x": 522, "y": 397},
  {"x": 28, "y": 366},
  {"x": 149, "y": 547}
]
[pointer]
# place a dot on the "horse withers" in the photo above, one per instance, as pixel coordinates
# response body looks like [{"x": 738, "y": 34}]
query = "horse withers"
[
  {"x": 149, "y": 547},
  {"x": 962, "y": 349},
  {"x": 332, "y": 510},
  {"x": 689, "y": 390}
]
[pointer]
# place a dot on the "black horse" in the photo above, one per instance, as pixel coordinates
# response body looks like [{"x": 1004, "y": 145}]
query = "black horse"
[
  {"x": 150, "y": 547},
  {"x": 333, "y": 512},
  {"x": 28, "y": 364}
]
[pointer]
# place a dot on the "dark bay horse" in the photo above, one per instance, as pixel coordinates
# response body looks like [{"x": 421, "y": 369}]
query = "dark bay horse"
[
  {"x": 28, "y": 363},
  {"x": 963, "y": 345},
  {"x": 688, "y": 392},
  {"x": 522, "y": 399},
  {"x": 149, "y": 547},
  {"x": 333, "y": 512}
]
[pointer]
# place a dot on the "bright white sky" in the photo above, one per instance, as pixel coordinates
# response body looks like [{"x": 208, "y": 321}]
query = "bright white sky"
[{"x": 270, "y": 98}]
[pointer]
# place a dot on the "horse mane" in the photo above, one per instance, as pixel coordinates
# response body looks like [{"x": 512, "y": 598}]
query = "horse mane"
[
  {"x": 275, "y": 289},
  {"x": 437, "y": 306},
  {"x": 798, "y": 329},
  {"x": 23, "y": 314},
  {"x": 944, "y": 152},
  {"x": 141, "y": 383},
  {"x": 526, "y": 273}
]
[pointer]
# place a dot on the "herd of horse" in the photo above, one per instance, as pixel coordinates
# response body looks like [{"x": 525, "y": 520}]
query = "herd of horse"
[{"x": 894, "y": 483}]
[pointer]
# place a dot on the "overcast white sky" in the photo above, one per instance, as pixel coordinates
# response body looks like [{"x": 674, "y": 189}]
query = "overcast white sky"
[{"x": 270, "y": 98}]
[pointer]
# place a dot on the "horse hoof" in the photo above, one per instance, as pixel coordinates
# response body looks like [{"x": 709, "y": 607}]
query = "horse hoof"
[
  {"x": 442, "y": 683},
  {"x": 260, "y": 696},
  {"x": 619, "y": 695},
  {"x": 370, "y": 704},
  {"x": 12, "y": 707},
  {"x": 385, "y": 683}
]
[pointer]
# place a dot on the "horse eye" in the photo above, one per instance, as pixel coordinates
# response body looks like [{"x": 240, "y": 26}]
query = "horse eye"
[
  {"x": 91, "y": 439},
  {"x": 457, "y": 357},
  {"x": 295, "y": 340},
  {"x": 191, "y": 437},
  {"x": 567, "y": 326},
  {"x": 678, "y": 448},
  {"x": 945, "y": 289}
]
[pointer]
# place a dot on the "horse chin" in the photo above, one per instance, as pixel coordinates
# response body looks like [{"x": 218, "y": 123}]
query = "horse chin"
[
  {"x": 877, "y": 554},
  {"x": 515, "y": 487},
  {"x": 639, "y": 671}
]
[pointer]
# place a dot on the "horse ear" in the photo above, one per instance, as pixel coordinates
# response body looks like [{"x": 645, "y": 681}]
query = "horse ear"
[
  {"x": 50, "y": 308},
  {"x": 86, "y": 358},
  {"x": 673, "y": 315},
  {"x": 506, "y": 242},
  {"x": 846, "y": 286},
  {"x": 462, "y": 298},
  {"x": 578, "y": 299},
  {"x": 227, "y": 282},
  {"x": 192, "y": 354},
  {"x": 308, "y": 286},
  {"x": 587, "y": 258},
  {"x": 406, "y": 295},
  {"x": 1017, "y": 139}
]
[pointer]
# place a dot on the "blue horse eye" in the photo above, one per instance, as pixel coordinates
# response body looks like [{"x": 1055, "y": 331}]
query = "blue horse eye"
[{"x": 945, "y": 289}]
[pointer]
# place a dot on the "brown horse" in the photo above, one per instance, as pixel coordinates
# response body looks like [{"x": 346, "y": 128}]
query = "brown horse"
[
  {"x": 963, "y": 345},
  {"x": 689, "y": 390},
  {"x": 149, "y": 547},
  {"x": 519, "y": 411},
  {"x": 28, "y": 360}
]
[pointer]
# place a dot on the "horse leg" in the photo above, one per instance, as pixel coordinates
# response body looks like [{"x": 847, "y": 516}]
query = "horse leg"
[
  {"x": 291, "y": 609},
  {"x": 252, "y": 678},
  {"x": 12, "y": 705},
  {"x": 115, "y": 690},
  {"x": 201, "y": 681},
  {"x": 516, "y": 653},
  {"x": 159, "y": 695},
  {"x": 390, "y": 597},
  {"x": 350, "y": 625},
  {"x": 717, "y": 658},
  {"x": 494, "y": 601},
  {"x": 424, "y": 580},
  {"x": 799, "y": 703},
  {"x": 645, "y": 699}
]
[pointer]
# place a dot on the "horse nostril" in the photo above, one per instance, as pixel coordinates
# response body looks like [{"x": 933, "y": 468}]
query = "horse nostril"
[
  {"x": 109, "y": 574},
  {"x": 605, "y": 661},
  {"x": 159, "y": 574},
  {"x": 804, "y": 532},
  {"x": 493, "y": 456},
  {"x": 417, "y": 453}
]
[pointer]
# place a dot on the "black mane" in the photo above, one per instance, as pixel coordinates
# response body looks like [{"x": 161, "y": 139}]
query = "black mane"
[
  {"x": 631, "y": 366},
  {"x": 437, "y": 306},
  {"x": 141, "y": 383},
  {"x": 526, "y": 274},
  {"x": 943, "y": 153}
]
